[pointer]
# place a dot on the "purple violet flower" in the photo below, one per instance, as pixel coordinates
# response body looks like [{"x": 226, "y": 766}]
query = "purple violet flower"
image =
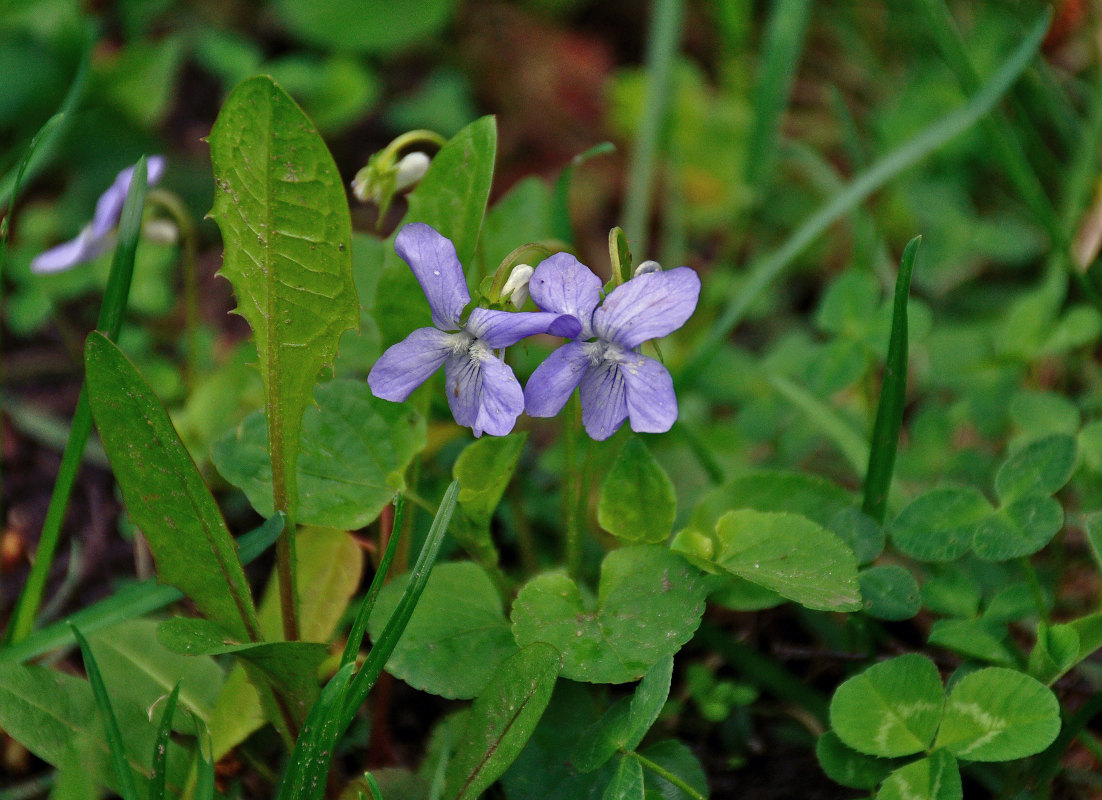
[
  {"x": 482, "y": 390},
  {"x": 616, "y": 381},
  {"x": 96, "y": 238}
]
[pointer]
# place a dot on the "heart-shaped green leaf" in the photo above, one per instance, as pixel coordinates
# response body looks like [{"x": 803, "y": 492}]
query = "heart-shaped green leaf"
[
  {"x": 891, "y": 709},
  {"x": 483, "y": 470},
  {"x": 846, "y": 766},
  {"x": 890, "y": 592},
  {"x": 998, "y": 714},
  {"x": 637, "y": 502},
  {"x": 354, "y": 451},
  {"x": 933, "y": 778},
  {"x": 940, "y": 524},
  {"x": 649, "y": 603},
  {"x": 1019, "y": 529},
  {"x": 457, "y": 637},
  {"x": 1041, "y": 467},
  {"x": 790, "y": 555}
]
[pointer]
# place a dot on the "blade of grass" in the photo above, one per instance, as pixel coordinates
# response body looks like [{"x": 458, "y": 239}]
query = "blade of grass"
[
  {"x": 784, "y": 41},
  {"x": 110, "y": 721},
  {"x": 767, "y": 268},
  {"x": 160, "y": 746},
  {"x": 10, "y": 182},
  {"x": 561, "y": 227},
  {"x": 997, "y": 127},
  {"x": 5, "y": 229},
  {"x": 396, "y": 625},
  {"x": 846, "y": 439},
  {"x": 129, "y": 602},
  {"x": 110, "y": 323},
  {"x": 204, "y": 778},
  {"x": 359, "y": 626},
  {"x": 662, "y": 44},
  {"x": 49, "y": 430},
  {"x": 893, "y": 392},
  {"x": 308, "y": 767}
]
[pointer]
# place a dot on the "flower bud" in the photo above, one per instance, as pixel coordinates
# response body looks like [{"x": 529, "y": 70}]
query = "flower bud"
[
  {"x": 646, "y": 268},
  {"x": 410, "y": 170},
  {"x": 516, "y": 287},
  {"x": 162, "y": 231}
]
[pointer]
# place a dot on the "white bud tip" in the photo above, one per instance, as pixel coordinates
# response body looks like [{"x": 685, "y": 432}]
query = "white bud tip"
[
  {"x": 646, "y": 268},
  {"x": 516, "y": 287},
  {"x": 411, "y": 169},
  {"x": 162, "y": 231}
]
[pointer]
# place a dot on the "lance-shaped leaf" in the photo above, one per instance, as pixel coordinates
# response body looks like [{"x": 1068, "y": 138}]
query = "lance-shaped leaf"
[
  {"x": 281, "y": 206},
  {"x": 502, "y": 720},
  {"x": 164, "y": 493}
]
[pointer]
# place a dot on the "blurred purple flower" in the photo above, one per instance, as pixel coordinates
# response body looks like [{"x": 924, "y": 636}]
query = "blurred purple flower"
[
  {"x": 96, "y": 238},
  {"x": 482, "y": 390},
  {"x": 616, "y": 381}
]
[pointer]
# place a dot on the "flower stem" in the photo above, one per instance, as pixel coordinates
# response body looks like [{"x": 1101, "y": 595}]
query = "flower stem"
[
  {"x": 572, "y": 489},
  {"x": 113, "y": 308},
  {"x": 173, "y": 206},
  {"x": 285, "y": 546},
  {"x": 666, "y": 775}
]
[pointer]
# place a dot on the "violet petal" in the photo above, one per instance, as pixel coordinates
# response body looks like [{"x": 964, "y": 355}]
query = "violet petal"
[
  {"x": 648, "y": 307},
  {"x": 563, "y": 284},
  {"x": 500, "y": 329},
  {"x": 604, "y": 405},
  {"x": 483, "y": 393},
  {"x": 408, "y": 364},
  {"x": 555, "y": 379},
  {"x": 68, "y": 254},
  {"x": 652, "y": 404},
  {"x": 436, "y": 266},
  {"x": 110, "y": 203}
]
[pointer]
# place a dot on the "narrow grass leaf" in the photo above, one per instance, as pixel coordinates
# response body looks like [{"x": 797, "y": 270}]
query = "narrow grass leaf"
[
  {"x": 49, "y": 135},
  {"x": 784, "y": 40},
  {"x": 1001, "y": 134},
  {"x": 893, "y": 395},
  {"x": 164, "y": 492},
  {"x": 388, "y": 639},
  {"x": 281, "y": 206},
  {"x": 111, "y": 313},
  {"x": 110, "y": 721},
  {"x": 765, "y": 270},
  {"x": 363, "y": 614},
  {"x": 308, "y": 767},
  {"x": 160, "y": 747},
  {"x": 502, "y": 720},
  {"x": 662, "y": 45},
  {"x": 129, "y": 602},
  {"x": 848, "y": 441},
  {"x": 561, "y": 226}
]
